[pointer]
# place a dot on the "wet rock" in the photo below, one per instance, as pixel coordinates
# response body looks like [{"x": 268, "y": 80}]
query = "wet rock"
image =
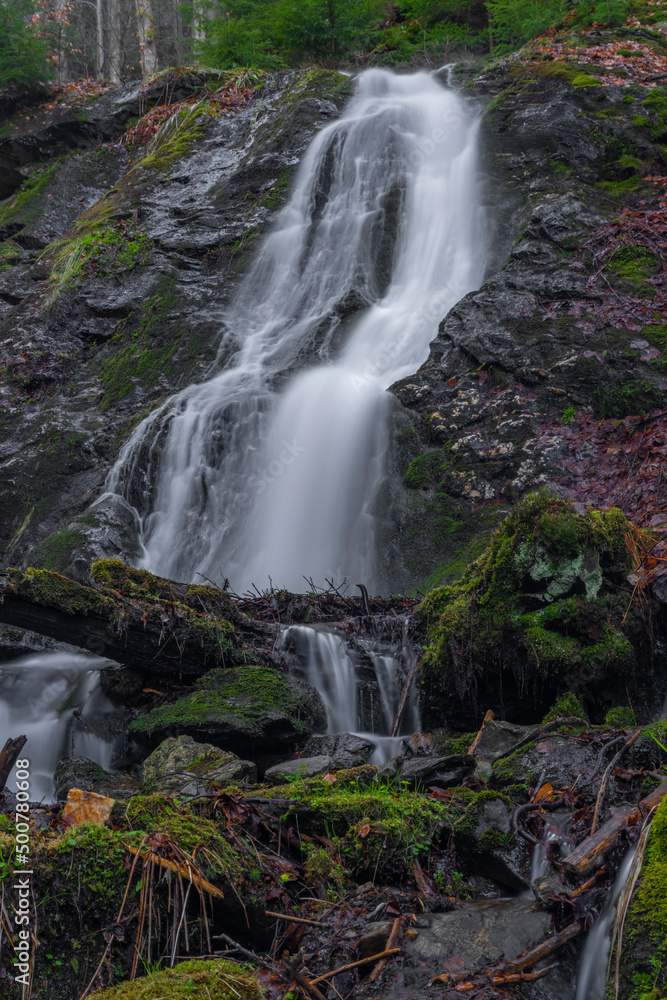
[
  {"x": 345, "y": 749},
  {"x": 418, "y": 745},
  {"x": 442, "y": 772},
  {"x": 562, "y": 761},
  {"x": 122, "y": 686},
  {"x": 501, "y": 738},
  {"x": 252, "y": 710},
  {"x": 484, "y": 834},
  {"x": 480, "y": 933},
  {"x": 16, "y": 642},
  {"x": 179, "y": 766},
  {"x": 303, "y": 767},
  {"x": 85, "y": 774},
  {"x": 375, "y": 939}
]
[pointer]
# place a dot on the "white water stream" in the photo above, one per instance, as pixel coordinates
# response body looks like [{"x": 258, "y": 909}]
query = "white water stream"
[
  {"x": 592, "y": 974},
  {"x": 271, "y": 468},
  {"x": 40, "y": 695}
]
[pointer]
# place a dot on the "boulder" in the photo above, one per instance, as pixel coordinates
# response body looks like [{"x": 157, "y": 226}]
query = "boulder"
[
  {"x": 499, "y": 739},
  {"x": 442, "y": 772},
  {"x": 480, "y": 933},
  {"x": 250, "y": 710},
  {"x": 179, "y": 766},
  {"x": 484, "y": 834},
  {"x": 303, "y": 767},
  {"x": 346, "y": 749},
  {"x": 86, "y": 775}
]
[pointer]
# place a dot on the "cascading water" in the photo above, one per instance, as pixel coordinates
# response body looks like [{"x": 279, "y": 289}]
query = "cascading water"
[
  {"x": 40, "y": 695},
  {"x": 326, "y": 661},
  {"x": 592, "y": 974},
  {"x": 272, "y": 466}
]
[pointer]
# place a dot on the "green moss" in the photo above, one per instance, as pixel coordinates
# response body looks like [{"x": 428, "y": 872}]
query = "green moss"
[
  {"x": 509, "y": 770},
  {"x": 53, "y": 590},
  {"x": 467, "y": 827},
  {"x": 99, "y": 248},
  {"x": 620, "y": 718},
  {"x": 153, "y": 341},
  {"x": 567, "y": 706},
  {"x": 633, "y": 263},
  {"x": 643, "y": 965},
  {"x": 175, "y": 137},
  {"x": 627, "y": 397},
  {"x": 219, "y": 979},
  {"x": 55, "y": 551},
  {"x": 248, "y": 695},
  {"x": 515, "y": 606},
  {"x": 25, "y": 203}
]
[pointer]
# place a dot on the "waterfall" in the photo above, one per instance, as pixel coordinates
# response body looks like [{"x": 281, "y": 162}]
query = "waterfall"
[
  {"x": 592, "y": 974},
  {"x": 272, "y": 466},
  {"x": 40, "y": 695},
  {"x": 326, "y": 661}
]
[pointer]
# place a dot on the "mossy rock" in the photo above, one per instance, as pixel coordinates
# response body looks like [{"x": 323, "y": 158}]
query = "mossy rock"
[
  {"x": 217, "y": 980},
  {"x": 182, "y": 767},
  {"x": 252, "y": 710},
  {"x": 643, "y": 960},
  {"x": 484, "y": 833},
  {"x": 543, "y": 607},
  {"x": 567, "y": 706}
]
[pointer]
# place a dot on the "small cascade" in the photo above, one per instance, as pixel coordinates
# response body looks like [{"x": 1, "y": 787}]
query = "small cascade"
[
  {"x": 360, "y": 688},
  {"x": 592, "y": 974},
  {"x": 555, "y": 833},
  {"x": 40, "y": 696}
]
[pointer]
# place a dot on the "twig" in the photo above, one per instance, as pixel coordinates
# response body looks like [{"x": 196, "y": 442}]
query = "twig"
[
  {"x": 361, "y": 961},
  {"x": 489, "y": 717},
  {"x": 605, "y": 778},
  {"x": 304, "y": 983},
  {"x": 294, "y": 920},
  {"x": 391, "y": 941}
]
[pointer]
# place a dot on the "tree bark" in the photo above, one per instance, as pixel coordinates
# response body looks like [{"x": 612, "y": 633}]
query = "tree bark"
[{"x": 146, "y": 33}]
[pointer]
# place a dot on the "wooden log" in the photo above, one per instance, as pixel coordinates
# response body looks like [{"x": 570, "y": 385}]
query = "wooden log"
[
  {"x": 8, "y": 757},
  {"x": 174, "y": 629},
  {"x": 305, "y": 984},
  {"x": 590, "y": 853}
]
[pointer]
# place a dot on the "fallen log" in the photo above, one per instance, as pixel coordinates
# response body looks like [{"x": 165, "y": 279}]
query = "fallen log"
[
  {"x": 403, "y": 700},
  {"x": 8, "y": 757},
  {"x": 516, "y": 977},
  {"x": 591, "y": 852},
  {"x": 129, "y": 616}
]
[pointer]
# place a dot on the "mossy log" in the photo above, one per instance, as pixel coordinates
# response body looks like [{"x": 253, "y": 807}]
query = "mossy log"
[{"x": 128, "y": 615}]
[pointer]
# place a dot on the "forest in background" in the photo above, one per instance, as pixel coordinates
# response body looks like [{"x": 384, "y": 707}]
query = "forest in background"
[{"x": 60, "y": 41}]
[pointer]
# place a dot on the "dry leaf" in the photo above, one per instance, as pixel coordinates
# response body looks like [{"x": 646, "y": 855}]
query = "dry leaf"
[
  {"x": 545, "y": 792},
  {"x": 329, "y": 778},
  {"x": 364, "y": 830},
  {"x": 86, "y": 807}
]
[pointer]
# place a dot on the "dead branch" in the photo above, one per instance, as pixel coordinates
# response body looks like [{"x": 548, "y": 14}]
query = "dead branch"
[
  {"x": 294, "y": 920},
  {"x": 360, "y": 961},
  {"x": 8, "y": 757},
  {"x": 391, "y": 941}
]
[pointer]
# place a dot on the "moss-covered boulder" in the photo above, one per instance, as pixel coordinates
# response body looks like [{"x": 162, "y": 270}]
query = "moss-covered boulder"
[
  {"x": 546, "y": 609},
  {"x": 179, "y": 766},
  {"x": 251, "y": 710},
  {"x": 484, "y": 834},
  {"x": 219, "y": 980},
  {"x": 643, "y": 959}
]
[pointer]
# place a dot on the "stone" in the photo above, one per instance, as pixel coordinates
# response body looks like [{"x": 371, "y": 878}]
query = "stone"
[
  {"x": 442, "y": 772},
  {"x": 484, "y": 834},
  {"x": 480, "y": 933},
  {"x": 87, "y": 776},
  {"x": 179, "y": 766},
  {"x": 346, "y": 749},
  {"x": 123, "y": 686},
  {"x": 302, "y": 767},
  {"x": 500, "y": 738},
  {"x": 251, "y": 710},
  {"x": 375, "y": 938}
]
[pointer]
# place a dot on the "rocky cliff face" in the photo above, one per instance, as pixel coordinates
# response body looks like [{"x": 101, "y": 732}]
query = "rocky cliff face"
[
  {"x": 118, "y": 257},
  {"x": 553, "y": 373}
]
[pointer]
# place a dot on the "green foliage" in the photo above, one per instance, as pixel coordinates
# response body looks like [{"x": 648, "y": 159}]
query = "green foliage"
[
  {"x": 513, "y": 22},
  {"x": 620, "y": 718},
  {"x": 23, "y": 56},
  {"x": 568, "y": 415},
  {"x": 567, "y": 706}
]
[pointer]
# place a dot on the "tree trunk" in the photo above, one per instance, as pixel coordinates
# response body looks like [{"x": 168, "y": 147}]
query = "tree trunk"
[
  {"x": 146, "y": 33},
  {"x": 115, "y": 41}
]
